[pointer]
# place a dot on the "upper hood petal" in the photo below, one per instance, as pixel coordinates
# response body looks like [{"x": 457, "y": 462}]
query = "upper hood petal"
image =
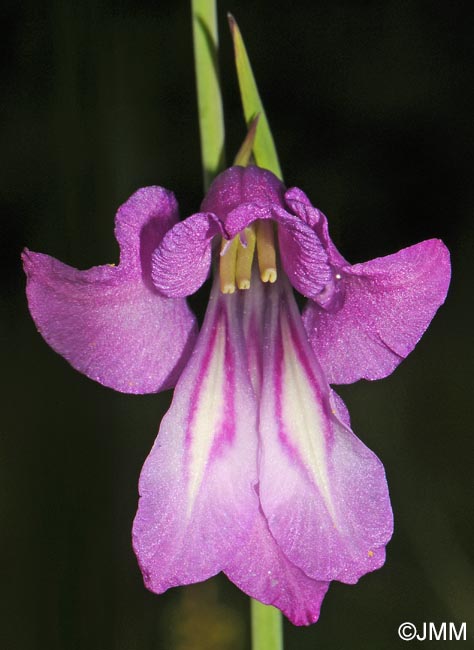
[{"x": 240, "y": 185}]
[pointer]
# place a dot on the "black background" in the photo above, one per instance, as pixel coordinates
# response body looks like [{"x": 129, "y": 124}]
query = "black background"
[{"x": 371, "y": 107}]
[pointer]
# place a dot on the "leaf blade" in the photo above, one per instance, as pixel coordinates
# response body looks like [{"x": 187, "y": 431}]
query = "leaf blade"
[
  {"x": 264, "y": 146},
  {"x": 211, "y": 115}
]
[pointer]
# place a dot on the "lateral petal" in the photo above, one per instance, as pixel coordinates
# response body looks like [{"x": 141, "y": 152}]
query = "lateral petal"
[
  {"x": 388, "y": 303},
  {"x": 109, "y": 322},
  {"x": 323, "y": 493},
  {"x": 197, "y": 501},
  {"x": 303, "y": 256},
  {"x": 299, "y": 204},
  {"x": 182, "y": 261}
]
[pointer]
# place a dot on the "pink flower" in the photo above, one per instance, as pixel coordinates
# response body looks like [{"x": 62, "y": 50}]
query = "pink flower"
[{"x": 255, "y": 470}]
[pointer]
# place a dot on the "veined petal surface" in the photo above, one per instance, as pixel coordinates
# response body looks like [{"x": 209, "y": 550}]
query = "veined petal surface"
[
  {"x": 243, "y": 185},
  {"x": 182, "y": 261},
  {"x": 110, "y": 322},
  {"x": 197, "y": 487},
  {"x": 323, "y": 493},
  {"x": 261, "y": 570},
  {"x": 299, "y": 204},
  {"x": 387, "y": 305}
]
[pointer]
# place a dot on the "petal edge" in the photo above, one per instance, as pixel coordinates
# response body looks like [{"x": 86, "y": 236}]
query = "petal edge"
[{"x": 388, "y": 304}]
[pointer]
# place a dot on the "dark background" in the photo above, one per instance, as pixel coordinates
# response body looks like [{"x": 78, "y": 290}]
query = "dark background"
[{"x": 370, "y": 105}]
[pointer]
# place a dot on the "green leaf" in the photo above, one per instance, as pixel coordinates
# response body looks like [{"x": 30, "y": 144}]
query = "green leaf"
[
  {"x": 211, "y": 118},
  {"x": 244, "y": 155},
  {"x": 264, "y": 147}
]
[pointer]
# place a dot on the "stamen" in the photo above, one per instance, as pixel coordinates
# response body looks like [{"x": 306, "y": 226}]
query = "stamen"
[
  {"x": 236, "y": 259},
  {"x": 227, "y": 265},
  {"x": 243, "y": 268},
  {"x": 266, "y": 251}
]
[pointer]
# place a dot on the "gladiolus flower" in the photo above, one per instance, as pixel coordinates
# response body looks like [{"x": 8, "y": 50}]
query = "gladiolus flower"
[{"x": 255, "y": 471}]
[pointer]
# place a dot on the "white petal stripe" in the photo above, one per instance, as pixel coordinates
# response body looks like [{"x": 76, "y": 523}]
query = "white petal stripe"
[
  {"x": 303, "y": 419},
  {"x": 208, "y": 414}
]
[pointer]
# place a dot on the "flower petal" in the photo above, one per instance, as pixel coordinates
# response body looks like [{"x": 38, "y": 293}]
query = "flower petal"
[
  {"x": 240, "y": 195},
  {"x": 258, "y": 567},
  {"x": 300, "y": 205},
  {"x": 331, "y": 295},
  {"x": 109, "y": 322},
  {"x": 263, "y": 572},
  {"x": 324, "y": 494},
  {"x": 182, "y": 261},
  {"x": 140, "y": 224},
  {"x": 302, "y": 254},
  {"x": 197, "y": 500},
  {"x": 388, "y": 303},
  {"x": 243, "y": 185}
]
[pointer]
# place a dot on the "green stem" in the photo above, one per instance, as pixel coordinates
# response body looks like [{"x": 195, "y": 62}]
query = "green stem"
[
  {"x": 267, "y": 630},
  {"x": 211, "y": 119},
  {"x": 267, "y": 627}
]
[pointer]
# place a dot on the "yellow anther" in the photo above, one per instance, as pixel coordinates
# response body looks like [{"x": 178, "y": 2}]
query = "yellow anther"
[
  {"x": 227, "y": 265},
  {"x": 236, "y": 260},
  {"x": 243, "y": 267},
  {"x": 266, "y": 251},
  {"x": 268, "y": 275}
]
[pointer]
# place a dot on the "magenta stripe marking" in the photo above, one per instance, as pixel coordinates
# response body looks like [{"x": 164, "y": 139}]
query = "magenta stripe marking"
[
  {"x": 283, "y": 435},
  {"x": 211, "y": 344},
  {"x": 227, "y": 429},
  {"x": 226, "y": 432},
  {"x": 307, "y": 360}
]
